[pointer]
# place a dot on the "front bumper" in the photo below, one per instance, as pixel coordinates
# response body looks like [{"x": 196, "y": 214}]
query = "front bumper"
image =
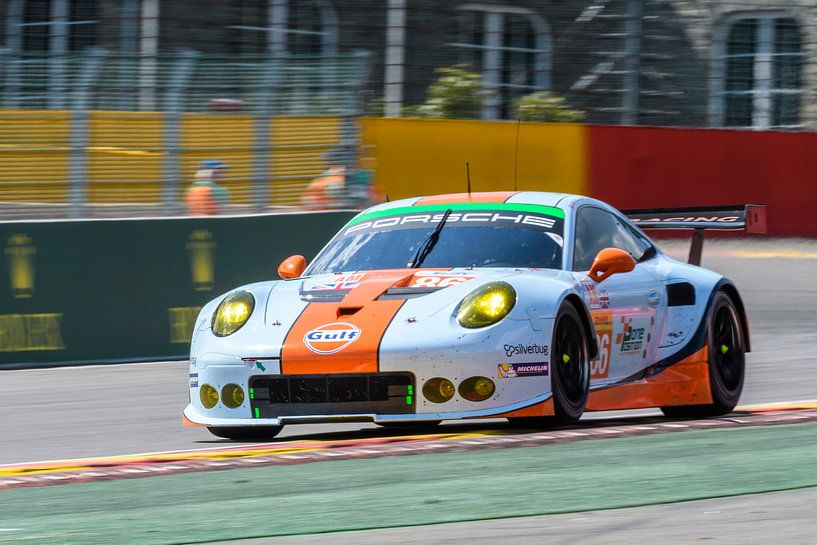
[{"x": 196, "y": 416}]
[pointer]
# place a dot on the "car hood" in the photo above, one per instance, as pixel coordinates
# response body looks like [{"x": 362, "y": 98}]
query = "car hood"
[
  {"x": 343, "y": 317},
  {"x": 335, "y": 323}
]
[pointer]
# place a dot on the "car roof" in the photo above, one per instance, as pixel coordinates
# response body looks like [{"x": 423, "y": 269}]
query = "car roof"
[{"x": 559, "y": 200}]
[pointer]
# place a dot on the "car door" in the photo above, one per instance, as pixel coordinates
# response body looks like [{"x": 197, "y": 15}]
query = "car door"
[{"x": 626, "y": 306}]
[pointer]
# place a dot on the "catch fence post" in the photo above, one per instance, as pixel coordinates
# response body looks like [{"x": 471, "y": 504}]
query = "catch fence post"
[
  {"x": 180, "y": 75},
  {"x": 90, "y": 69},
  {"x": 262, "y": 134}
]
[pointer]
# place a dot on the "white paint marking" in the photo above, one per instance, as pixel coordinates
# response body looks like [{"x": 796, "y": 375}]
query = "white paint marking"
[{"x": 98, "y": 366}]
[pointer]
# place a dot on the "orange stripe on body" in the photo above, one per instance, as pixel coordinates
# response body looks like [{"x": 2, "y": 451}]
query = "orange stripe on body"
[
  {"x": 456, "y": 198},
  {"x": 361, "y": 309},
  {"x": 684, "y": 383},
  {"x": 544, "y": 408}
]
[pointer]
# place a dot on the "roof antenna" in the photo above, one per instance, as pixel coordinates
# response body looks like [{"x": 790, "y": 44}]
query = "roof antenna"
[
  {"x": 468, "y": 177},
  {"x": 516, "y": 151}
]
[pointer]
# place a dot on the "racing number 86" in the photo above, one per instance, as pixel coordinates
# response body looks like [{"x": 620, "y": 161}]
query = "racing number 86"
[{"x": 600, "y": 366}]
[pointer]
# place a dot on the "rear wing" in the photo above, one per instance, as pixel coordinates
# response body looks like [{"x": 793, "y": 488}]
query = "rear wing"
[{"x": 740, "y": 217}]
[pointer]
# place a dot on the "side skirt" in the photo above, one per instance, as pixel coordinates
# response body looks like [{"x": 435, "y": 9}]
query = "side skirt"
[{"x": 684, "y": 383}]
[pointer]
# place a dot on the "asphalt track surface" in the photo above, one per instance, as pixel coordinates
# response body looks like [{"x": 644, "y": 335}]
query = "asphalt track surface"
[
  {"x": 778, "y": 517},
  {"x": 51, "y": 414}
]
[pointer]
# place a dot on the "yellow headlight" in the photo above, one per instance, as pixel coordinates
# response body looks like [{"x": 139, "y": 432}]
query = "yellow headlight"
[
  {"x": 486, "y": 305},
  {"x": 232, "y": 396},
  {"x": 208, "y": 396},
  {"x": 439, "y": 390},
  {"x": 232, "y": 313},
  {"x": 477, "y": 388}
]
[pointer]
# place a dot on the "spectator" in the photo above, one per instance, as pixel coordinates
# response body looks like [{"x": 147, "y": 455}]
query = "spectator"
[
  {"x": 205, "y": 197},
  {"x": 340, "y": 187}
]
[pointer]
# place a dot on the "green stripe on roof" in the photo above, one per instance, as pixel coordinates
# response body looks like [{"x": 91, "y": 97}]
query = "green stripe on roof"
[{"x": 459, "y": 207}]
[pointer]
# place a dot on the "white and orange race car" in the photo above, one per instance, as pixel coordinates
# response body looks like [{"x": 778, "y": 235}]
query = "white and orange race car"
[{"x": 530, "y": 306}]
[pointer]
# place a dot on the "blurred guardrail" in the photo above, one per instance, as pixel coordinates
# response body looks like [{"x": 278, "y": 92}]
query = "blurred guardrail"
[
  {"x": 95, "y": 291},
  {"x": 107, "y": 139}
]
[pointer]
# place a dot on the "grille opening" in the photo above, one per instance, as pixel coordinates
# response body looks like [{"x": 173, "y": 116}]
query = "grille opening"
[{"x": 361, "y": 393}]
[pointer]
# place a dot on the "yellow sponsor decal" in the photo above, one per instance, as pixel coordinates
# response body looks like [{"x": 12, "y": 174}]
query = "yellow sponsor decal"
[
  {"x": 182, "y": 321},
  {"x": 28, "y": 332},
  {"x": 201, "y": 246},
  {"x": 20, "y": 258}
]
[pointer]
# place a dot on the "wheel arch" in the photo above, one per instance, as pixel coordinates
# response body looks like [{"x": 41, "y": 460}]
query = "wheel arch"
[
  {"x": 584, "y": 314},
  {"x": 729, "y": 288}
]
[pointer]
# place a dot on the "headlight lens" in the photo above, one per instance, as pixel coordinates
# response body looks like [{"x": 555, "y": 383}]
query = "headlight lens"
[
  {"x": 208, "y": 396},
  {"x": 232, "y": 313},
  {"x": 232, "y": 396},
  {"x": 486, "y": 305},
  {"x": 439, "y": 390},
  {"x": 477, "y": 388}
]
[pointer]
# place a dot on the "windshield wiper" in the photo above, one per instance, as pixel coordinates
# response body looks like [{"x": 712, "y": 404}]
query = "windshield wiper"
[{"x": 428, "y": 244}]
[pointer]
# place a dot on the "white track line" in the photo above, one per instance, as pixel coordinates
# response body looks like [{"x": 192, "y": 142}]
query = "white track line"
[{"x": 94, "y": 366}]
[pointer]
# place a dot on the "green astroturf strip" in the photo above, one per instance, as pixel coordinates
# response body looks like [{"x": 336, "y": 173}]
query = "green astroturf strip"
[
  {"x": 462, "y": 207},
  {"x": 411, "y": 490}
]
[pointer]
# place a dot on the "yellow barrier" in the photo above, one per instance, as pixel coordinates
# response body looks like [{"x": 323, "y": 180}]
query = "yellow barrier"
[
  {"x": 34, "y": 155},
  {"x": 126, "y": 153},
  {"x": 409, "y": 156},
  {"x": 125, "y": 157},
  {"x": 414, "y": 157}
]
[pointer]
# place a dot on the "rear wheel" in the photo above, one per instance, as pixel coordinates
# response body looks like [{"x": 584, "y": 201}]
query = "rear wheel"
[
  {"x": 727, "y": 361},
  {"x": 246, "y": 433},
  {"x": 569, "y": 371}
]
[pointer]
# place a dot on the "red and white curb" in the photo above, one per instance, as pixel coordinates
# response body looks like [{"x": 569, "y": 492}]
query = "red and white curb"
[{"x": 302, "y": 452}]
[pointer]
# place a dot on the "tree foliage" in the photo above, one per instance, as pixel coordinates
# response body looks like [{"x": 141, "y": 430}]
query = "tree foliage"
[
  {"x": 457, "y": 93},
  {"x": 545, "y": 106}
]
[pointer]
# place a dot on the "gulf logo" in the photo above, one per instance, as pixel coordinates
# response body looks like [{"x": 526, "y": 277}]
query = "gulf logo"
[{"x": 331, "y": 338}]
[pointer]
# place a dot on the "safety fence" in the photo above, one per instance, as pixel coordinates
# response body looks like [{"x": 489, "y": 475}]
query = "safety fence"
[
  {"x": 93, "y": 149},
  {"x": 118, "y": 290}
]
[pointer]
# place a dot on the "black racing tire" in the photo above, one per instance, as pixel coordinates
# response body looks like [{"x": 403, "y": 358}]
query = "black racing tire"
[
  {"x": 569, "y": 371},
  {"x": 245, "y": 433},
  {"x": 727, "y": 361}
]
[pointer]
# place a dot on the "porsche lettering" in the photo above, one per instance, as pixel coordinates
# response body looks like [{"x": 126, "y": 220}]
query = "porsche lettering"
[{"x": 469, "y": 217}]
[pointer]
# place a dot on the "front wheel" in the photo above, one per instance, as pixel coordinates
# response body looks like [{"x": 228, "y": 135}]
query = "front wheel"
[
  {"x": 246, "y": 433},
  {"x": 569, "y": 371},
  {"x": 727, "y": 361}
]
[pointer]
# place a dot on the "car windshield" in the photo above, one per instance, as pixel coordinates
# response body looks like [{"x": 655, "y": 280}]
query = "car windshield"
[{"x": 496, "y": 235}]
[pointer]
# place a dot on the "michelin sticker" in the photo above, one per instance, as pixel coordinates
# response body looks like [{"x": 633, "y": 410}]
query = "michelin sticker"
[{"x": 514, "y": 370}]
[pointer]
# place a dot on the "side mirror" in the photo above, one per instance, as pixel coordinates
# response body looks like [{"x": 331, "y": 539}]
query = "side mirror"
[
  {"x": 610, "y": 261},
  {"x": 292, "y": 267}
]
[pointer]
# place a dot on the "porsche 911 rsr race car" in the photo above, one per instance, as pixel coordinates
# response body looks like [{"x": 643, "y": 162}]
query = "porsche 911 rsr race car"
[{"x": 530, "y": 306}]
